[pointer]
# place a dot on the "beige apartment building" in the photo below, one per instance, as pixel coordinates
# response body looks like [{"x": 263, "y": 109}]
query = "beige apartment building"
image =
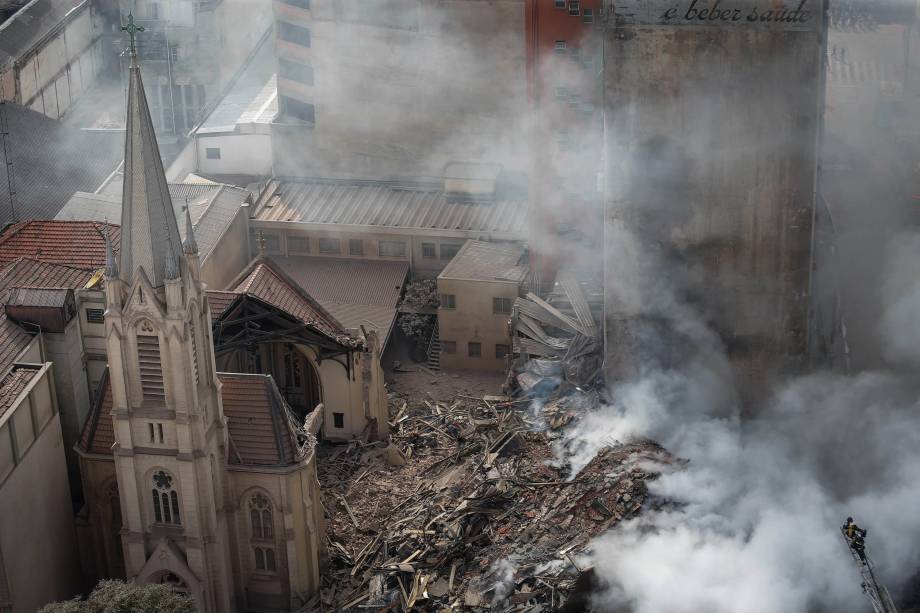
[
  {"x": 423, "y": 225},
  {"x": 38, "y": 556},
  {"x": 477, "y": 290}
]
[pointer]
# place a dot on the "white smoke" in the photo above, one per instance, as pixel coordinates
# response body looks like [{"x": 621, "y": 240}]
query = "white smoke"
[{"x": 761, "y": 501}]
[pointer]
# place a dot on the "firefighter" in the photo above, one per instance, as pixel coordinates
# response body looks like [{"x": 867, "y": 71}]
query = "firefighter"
[
  {"x": 859, "y": 544},
  {"x": 849, "y": 528}
]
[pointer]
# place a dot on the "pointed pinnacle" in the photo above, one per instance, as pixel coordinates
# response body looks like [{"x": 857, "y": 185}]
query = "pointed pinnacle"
[
  {"x": 189, "y": 246},
  {"x": 111, "y": 267}
]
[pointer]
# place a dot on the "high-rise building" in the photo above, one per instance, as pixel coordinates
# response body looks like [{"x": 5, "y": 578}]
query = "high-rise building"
[
  {"x": 564, "y": 70},
  {"x": 713, "y": 114},
  {"x": 190, "y": 53},
  {"x": 396, "y": 89}
]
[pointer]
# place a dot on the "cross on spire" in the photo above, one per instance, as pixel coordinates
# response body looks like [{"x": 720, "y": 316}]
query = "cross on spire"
[{"x": 132, "y": 29}]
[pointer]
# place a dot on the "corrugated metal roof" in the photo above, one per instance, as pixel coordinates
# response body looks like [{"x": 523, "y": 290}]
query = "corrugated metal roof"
[
  {"x": 346, "y": 280},
  {"x": 482, "y": 261},
  {"x": 252, "y": 100},
  {"x": 30, "y": 24},
  {"x": 51, "y": 161},
  {"x": 356, "y": 292},
  {"x": 388, "y": 205},
  {"x": 213, "y": 208}
]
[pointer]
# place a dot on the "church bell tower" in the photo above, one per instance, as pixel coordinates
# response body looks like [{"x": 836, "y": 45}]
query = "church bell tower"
[{"x": 170, "y": 433}]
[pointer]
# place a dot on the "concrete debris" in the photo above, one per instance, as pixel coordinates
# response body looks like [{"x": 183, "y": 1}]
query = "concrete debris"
[
  {"x": 478, "y": 517},
  {"x": 562, "y": 330}
]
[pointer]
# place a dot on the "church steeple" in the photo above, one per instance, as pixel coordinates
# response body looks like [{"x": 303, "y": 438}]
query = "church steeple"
[{"x": 149, "y": 232}]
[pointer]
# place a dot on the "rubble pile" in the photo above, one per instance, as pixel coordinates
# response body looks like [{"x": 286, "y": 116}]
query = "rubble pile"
[{"x": 464, "y": 509}]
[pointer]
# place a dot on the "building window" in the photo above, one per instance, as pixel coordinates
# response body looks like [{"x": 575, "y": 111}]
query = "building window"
[
  {"x": 448, "y": 301},
  {"x": 95, "y": 316},
  {"x": 265, "y": 558},
  {"x": 329, "y": 245},
  {"x": 212, "y": 153},
  {"x": 156, "y": 432},
  {"x": 449, "y": 347},
  {"x": 303, "y": 111},
  {"x": 260, "y": 518},
  {"x": 355, "y": 246},
  {"x": 448, "y": 251},
  {"x": 501, "y": 351},
  {"x": 560, "y": 46},
  {"x": 299, "y": 244},
  {"x": 474, "y": 350},
  {"x": 392, "y": 249},
  {"x": 295, "y": 71},
  {"x": 429, "y": 250},
  {"x": 574, "y": 8},
  {"x": 338, "y": 420},
  {"x": 297, "y": 34},
  {"x": 271, "y": 243},
  {"x": 560, "y": 4},
  {"x": 150, "y": 364},
  {"x": 501, "y": 305},
  {"x": 165, "y": 499},
  {"x": 588, "y": 15}
]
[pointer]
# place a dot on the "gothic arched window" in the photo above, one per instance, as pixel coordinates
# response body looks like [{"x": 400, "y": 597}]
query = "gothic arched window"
[
  {"x": 165, "y": 499},
  {"x": 260, "y": 522},
  {"x": 265, "y": 559},
  {"x": 260, "y": 517}
]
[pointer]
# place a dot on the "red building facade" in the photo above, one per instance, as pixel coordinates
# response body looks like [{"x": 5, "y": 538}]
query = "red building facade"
[{"x": 564, "y": 74}]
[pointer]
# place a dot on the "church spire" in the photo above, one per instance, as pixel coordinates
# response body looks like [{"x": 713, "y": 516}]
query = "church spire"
[{"x": 149, "y": 232}]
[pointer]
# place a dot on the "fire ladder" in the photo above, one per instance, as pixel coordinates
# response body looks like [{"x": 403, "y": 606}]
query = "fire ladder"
[{"x": 876, "y": 592}]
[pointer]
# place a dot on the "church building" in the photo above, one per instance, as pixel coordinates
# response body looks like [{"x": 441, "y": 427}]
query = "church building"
[{"x": 203, "y": 480}]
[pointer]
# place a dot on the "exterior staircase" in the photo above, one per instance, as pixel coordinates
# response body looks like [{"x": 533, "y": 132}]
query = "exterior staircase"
[{"x": 434, "y": 350}]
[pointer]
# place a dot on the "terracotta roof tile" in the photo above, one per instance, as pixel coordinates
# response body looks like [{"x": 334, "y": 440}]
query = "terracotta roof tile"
[
  {"x": 98, "y": 434},
  {"x": 263, "y": 279},
  {"x": 219, "y": 301},
  {"x": 13, "y": 384},
  {"x": 80, "y": 244},
  {"x": 263, "y": 431},
  {"x": 260, "y": 425}
]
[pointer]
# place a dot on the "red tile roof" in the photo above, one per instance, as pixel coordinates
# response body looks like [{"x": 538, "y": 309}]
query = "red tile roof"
[
  {"x": 98, "y": 434},
  {"x": 80, "y": 244},
  {"x": 30, "y": 273},
  {"x": 263, "y": 279},
  {"x": 263, "y": 431},
  {"x": 261, "y": 426},
  {"x": 13, "y": 384},
  {"x": 219, "y": 301}
]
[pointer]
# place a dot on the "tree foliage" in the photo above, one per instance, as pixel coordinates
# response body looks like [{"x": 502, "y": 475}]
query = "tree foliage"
[{"x": 123, "y": 597}]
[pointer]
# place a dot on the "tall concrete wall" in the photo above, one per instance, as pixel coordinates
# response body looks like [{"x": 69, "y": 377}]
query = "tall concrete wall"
[{"x": 712, "y": 117}]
